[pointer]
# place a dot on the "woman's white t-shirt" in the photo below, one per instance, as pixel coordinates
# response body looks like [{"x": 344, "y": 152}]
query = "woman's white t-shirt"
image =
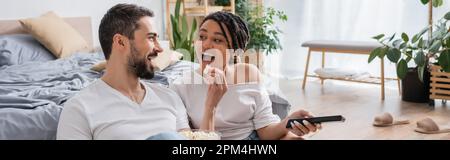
[
  {"x": 243, "y": 109},
  {"x": 101, "y": 112}
]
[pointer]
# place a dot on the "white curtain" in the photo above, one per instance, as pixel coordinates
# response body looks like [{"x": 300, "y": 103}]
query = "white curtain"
[{"x": 357, "y": 20}]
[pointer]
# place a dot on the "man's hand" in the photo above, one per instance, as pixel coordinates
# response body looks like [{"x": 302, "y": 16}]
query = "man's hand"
[{"x": 306, "y": 128}]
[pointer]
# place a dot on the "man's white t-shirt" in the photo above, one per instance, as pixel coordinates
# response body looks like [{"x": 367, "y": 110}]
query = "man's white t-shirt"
[{"x": 101, "y": 112}]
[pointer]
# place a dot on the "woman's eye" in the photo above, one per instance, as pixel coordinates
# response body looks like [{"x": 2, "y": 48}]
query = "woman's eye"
[
  {"x": 202, "y": 37},
  {"x": 218, "y": 41}
]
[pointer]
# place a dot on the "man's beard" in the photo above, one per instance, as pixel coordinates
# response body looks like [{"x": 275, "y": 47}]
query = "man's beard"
[{"x": 138, "y": 65}]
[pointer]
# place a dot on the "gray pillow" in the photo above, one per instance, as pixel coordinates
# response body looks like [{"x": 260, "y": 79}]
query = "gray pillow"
[
  {"x": 280, "y": 105},
  {"x": 21, "y": 48}
]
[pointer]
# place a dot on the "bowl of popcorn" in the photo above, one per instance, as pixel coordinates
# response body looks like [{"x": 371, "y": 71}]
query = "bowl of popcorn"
[{"x": 197, "y": 134}]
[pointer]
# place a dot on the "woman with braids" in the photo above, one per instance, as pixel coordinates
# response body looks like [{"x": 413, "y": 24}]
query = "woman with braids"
[{"x": 244, "y": 110}]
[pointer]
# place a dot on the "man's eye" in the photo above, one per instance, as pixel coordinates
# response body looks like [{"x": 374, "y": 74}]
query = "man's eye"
[{"x": 202, "y": 37}]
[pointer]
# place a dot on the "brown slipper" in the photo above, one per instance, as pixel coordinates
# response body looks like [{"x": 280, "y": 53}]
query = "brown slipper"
[
  {"x": 386, "y": 120},
  {"x": 428, "y": 126}
]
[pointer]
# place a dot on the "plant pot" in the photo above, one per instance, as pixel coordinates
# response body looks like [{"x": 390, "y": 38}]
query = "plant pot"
[{"x": 414, "y": 90}]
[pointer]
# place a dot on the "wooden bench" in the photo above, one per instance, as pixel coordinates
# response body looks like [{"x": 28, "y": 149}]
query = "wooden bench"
[{"x": 345, "y": 47}]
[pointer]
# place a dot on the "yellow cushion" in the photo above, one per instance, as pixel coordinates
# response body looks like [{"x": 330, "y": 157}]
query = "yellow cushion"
[
  {"x": 162, "y": 61},
  {"x": 55, "y": 34},
  {"x": 165, "y": 59},
  {"x": 100, "y": 66}
]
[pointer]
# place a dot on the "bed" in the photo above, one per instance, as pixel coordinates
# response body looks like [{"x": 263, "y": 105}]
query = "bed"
[{"x": 32, "y": 93}]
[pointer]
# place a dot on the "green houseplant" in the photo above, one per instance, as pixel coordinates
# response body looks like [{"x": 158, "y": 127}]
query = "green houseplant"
[
  {"x": 182, "y": 37},
  {"x": 261, "y": 21},
  {"x": 420, "y": 49},
  {"x": 263, "y": 35}
]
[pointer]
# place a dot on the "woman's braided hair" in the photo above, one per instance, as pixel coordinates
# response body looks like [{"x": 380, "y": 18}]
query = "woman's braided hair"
[{"x": 236, "y": 26}]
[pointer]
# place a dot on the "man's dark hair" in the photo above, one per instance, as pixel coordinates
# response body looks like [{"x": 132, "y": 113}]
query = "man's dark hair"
[
  {"x": 238, "y": 29},
  {"x": 120, "y": 19}
]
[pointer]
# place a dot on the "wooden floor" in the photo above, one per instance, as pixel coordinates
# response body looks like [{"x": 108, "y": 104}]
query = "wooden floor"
[{"x": 359, "y": 104}]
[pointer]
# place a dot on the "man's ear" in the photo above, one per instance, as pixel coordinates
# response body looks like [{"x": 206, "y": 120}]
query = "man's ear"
[{"x": 119, "y": 39}]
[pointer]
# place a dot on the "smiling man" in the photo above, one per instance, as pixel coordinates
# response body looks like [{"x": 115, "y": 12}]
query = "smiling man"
[{"x": 119, "y": 105}]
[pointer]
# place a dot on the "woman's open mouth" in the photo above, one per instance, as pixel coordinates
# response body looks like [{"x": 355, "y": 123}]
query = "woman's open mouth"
[{"x": 207, "y": 58}]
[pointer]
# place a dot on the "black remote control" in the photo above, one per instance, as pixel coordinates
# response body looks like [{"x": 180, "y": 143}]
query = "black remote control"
[{"x": 317, "y": 120}]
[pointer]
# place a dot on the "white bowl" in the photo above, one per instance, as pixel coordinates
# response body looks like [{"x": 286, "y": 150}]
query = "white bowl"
[{"x": 197, "y": 134}]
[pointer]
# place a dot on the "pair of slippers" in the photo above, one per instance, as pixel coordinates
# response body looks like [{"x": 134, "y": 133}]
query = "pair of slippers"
[{"x": 426, "y": 126}]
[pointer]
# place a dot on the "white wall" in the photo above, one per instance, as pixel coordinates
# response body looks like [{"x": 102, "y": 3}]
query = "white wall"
[{"x": 15, "y": 9}]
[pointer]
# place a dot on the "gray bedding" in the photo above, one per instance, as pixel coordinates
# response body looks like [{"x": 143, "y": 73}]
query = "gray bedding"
[{"x": 32, "y": 94}]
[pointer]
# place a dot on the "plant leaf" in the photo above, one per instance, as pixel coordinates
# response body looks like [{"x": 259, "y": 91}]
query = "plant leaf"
[
  {"x": 175, "y": 35},
  {"x": 378, "y": 37},
  {"x": 193, "y": 29},
  {"x": 374, "y": 54},
  {"x": 397, "y": 43},
  {"x": 447, "y": 16},
  {"x": 174, "y": 23},
  {"x": 435, "y": 47},
  {"x": 437, "y": 3},
  {"x": 393, "y": 36},
  {"x": 420, "y": 71},
  {"x": 444, "y": 60},
  {"x": 393, "y": 54},
  {"x": 419, "y": 35},
  {"x": 415, "y": 38},
  {"x": 405, "y": 37},
  {"x": 448, "y": 43},
  {"x": 402, "y": 68},
  {"x": 403, "y": 45},
  {"x": 184, "y": 28},
  {"x": 177, "y": 9},
  {"x": 420, "y": 59},
  {"x": 424, "y": 1},
  {"x": 420, "y": 44},
  {"x": 383, "y": 52},
  {"x": 447, "y": 36}
]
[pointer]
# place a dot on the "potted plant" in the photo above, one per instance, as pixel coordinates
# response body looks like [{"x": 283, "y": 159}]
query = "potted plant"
[
  {"x": 422, "y": 50},
  {"x": 263, "y": 35},
  {"x": 182, "y": 37}
]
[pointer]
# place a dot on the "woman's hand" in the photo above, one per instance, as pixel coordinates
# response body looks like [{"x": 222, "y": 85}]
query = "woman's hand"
[
  {"x": 299, "y": 129},
  {"x": 217, "y": 87},
  {"x": 292, "y": 136}
]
